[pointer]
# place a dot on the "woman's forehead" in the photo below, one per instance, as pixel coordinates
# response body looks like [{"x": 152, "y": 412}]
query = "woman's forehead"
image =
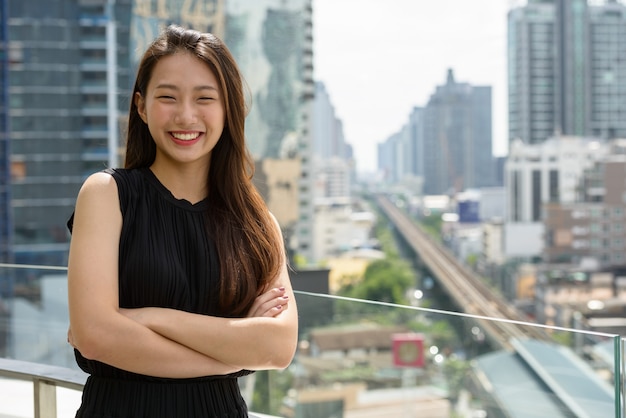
[{"x": 183, "y": 69}]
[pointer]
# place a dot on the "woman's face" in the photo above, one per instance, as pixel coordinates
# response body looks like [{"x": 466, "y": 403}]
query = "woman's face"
[{"x": 184, "y": 110}]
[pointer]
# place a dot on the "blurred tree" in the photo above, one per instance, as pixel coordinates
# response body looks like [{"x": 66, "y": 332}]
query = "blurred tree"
[{"x": 385, "y": 280}]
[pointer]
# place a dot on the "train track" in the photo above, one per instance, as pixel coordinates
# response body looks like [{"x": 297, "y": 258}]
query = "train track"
[{"x": 497, "y": 318}]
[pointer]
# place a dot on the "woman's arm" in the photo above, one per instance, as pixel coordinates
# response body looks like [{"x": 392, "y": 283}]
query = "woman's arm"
[
  {"x": 266, "y": 339},
  {"x": 98, "y": 329}
]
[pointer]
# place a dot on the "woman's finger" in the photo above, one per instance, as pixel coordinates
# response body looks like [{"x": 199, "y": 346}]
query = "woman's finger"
[{"x": 269, "y": 303}]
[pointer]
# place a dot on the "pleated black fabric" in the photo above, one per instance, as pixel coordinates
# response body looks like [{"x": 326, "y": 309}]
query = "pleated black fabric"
[{"x": 166, "y": 260}]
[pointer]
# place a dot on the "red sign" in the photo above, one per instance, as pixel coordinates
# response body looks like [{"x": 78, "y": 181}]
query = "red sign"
[{"x": 408, "y": 350}]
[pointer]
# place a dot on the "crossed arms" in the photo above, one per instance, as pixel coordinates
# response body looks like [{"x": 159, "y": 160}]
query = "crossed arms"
[{"x": 157, "y": 341}]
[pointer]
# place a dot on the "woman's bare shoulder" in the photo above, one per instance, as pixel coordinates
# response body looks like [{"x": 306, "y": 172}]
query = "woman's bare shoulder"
[{"x": 98, "y": 189}]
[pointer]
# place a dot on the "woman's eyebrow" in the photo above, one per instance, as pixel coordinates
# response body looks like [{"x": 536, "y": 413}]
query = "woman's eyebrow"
[{"x": 174, "y": 87}]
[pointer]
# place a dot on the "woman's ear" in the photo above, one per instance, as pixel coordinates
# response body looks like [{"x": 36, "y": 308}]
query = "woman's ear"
[{"x": 140, "y": 102}]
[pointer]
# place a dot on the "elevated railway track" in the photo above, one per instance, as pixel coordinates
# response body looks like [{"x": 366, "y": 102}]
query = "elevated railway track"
[{"x": 500, "y": 321}]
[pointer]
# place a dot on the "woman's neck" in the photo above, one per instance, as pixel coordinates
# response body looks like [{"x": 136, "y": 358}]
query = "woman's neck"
[{"x": 187, "y": 182}]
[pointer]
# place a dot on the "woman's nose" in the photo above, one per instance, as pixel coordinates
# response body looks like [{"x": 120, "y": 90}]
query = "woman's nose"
[{"x": 186, "y": 114}]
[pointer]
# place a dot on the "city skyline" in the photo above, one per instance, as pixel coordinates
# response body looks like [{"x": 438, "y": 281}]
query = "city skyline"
[{"x": 379, "y": 61}]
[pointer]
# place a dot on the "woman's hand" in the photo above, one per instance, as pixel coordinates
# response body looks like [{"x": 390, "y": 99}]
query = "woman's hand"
[{"x": 270, "y": 303}]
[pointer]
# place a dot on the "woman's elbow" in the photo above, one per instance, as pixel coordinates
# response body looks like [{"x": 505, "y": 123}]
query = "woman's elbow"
[
  {"x": 283, "y": 361},
  {"x": 88, "y": 348},
  {"x": 89, "y": 342},
  {"x": 284, "y": 353}
]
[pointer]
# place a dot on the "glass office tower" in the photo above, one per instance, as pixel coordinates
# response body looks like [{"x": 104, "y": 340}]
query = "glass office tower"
[
  {"x": 68, "y": 82},
  {"x": 566, "y": 69}
]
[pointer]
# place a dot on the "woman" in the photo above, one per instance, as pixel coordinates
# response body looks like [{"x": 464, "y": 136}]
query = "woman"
[{"x": 177, "y": 275}]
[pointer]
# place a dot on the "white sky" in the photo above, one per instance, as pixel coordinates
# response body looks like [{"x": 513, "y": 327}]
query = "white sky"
[{"x": 380, "y": 58}]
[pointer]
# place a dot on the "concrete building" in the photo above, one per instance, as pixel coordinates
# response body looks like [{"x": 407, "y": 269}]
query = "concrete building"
[
  {"x": 493, "y": 243},
  {"x": 536, "y": 174},
  {"x": 278, "y": 182},
  {"x": 339, "y": 227},
  {"x": 333, "y": 177},
  {"x": 565, "y": 71},
  {"x": 591, "y": 233}
]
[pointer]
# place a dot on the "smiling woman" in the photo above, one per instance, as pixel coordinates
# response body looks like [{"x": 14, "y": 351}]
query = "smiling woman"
[
  {"x": 184, "y": 112},
  {"x": 177, "y": 273}
]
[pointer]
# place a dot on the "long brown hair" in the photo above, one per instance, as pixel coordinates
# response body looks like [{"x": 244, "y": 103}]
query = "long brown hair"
[{"x": 246, "y": 236}]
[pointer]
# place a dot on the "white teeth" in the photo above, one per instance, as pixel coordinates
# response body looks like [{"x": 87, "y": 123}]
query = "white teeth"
[{"x": 185, "y": 137}]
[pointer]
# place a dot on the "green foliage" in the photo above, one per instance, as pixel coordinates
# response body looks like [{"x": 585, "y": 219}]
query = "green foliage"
[
  {"x": 270, "y": 389},
  {"x": 352, "y": 374},
  {"x": 440, "y": 333},
  {"x": 455, "y": 372},
  {"x": 385, "y": 280},
  {"x": 432, "y": 225},
  {"x": 386, "y": 239},
  {"x": 472, "y": 260}
]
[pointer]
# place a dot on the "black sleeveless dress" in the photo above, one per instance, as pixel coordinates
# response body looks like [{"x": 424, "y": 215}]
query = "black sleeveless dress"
[{"x": 166, "y": 260}]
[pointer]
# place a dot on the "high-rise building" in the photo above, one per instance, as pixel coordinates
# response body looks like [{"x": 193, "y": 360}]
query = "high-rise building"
[
  {"x": 447, "y": 144},
  {"x": 537, "y": 174},
  {"x": 457, "y": 150},
  {"x": 6, "y": 216},
  {"x": 67, "y": 75},
  {"x": 149, "y": 17},
  {"x": 591, "y": 230},
  {"x": 401, "y": 156},
  {"x": 328, "y": 136},
  {"x": 272, "y": 41},
  {"x": 566, "y": 72},
  {"x": 333, "y": 166}
]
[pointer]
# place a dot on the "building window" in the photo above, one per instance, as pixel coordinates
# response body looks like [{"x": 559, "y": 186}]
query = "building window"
[
  {"x": 516, "y": 196},
  {"x": 596, "y": 213},
  {"x": 536, "y": 195},
  {"x": 554, "y": 186}
]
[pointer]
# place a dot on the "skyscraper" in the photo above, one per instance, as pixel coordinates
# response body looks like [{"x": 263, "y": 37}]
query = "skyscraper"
[
  {"x": 566, "y": 69},
  {"x": 457, "y": 150},
  {"x": 6, "y": 216},
  {"x": 272, "y": 41},
  {"x": 67, "y": 75}
]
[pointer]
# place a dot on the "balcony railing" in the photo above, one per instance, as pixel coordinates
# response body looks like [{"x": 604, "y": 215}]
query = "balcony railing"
[
  {"x": 355, "y": 359},
  {"x": 45, "y": 380}
]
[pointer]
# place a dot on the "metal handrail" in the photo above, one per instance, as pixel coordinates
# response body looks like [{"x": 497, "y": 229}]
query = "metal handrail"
[{"x": 45, "y": 379}]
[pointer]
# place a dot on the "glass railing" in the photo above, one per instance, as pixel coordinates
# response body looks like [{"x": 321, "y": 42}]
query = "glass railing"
[{"x": 365, "y": 358}]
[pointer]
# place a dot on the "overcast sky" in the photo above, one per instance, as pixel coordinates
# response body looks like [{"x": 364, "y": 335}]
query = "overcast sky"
[{"x": 380, "y": 58}]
